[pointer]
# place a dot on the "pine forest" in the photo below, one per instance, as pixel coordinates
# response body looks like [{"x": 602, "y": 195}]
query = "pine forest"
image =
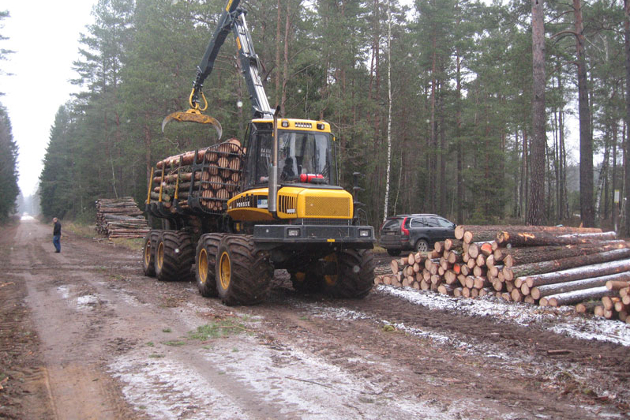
[{"x": 482, "y": 112}]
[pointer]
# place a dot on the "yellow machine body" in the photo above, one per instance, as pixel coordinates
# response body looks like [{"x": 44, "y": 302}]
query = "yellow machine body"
[{"x": 294, "y": 202}]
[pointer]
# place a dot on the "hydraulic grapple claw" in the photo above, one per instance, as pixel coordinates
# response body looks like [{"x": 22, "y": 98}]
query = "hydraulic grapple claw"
[{"x": 193, "y": 115}]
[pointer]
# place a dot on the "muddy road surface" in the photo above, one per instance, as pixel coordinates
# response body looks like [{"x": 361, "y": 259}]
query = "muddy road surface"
[{"x": 84, "y": 335}]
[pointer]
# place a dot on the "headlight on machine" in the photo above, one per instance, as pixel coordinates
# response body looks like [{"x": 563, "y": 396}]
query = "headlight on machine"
[
  {"x": 293, "y": 232},
  {"x": 364, "y": 233}
]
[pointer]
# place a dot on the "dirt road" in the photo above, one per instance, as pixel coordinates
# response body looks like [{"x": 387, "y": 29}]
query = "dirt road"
[{"x": 83, "y": 335}]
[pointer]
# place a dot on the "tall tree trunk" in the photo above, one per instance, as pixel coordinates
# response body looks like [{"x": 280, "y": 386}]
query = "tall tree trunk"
[
  {"x": 556, "y": 163},
  {"x": 603, "y": 175},
  {"x": 433, "y": 132},
  {"x": 443, "y": 156},
  {"x": 563, "y": 177},
  {"x": 460, "y": 158},
  {"x": 525, "y": 174},
  {"x": 627, "y": 131},
  {"x": 285, "y": 69},
  {"x": 535, "y": 210},
  {"x": 389, "y": 95},
  {"x": 278, "y": 33},
  {"x": 613, "y": 212},
  {"x": 586, "y": 139}
]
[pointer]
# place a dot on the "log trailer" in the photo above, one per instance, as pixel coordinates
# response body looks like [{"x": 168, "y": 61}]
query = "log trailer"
[{"x": 272, "y": 203}]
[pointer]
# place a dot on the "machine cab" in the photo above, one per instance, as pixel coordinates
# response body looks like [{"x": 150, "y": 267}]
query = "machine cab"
[{"x": 305, "y": 153}]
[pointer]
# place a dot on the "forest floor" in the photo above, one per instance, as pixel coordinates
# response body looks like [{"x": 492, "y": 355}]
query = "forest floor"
[{"x": 84, "y": 335}]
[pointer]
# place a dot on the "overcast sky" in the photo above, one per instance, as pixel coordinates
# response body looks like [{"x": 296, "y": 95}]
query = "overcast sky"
[{"x": 44, "y": 35}]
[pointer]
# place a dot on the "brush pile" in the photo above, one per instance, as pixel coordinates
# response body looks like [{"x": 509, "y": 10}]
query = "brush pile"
[
  {"x": 120, "y": 218},
  {"x": 548, "y": 266}
]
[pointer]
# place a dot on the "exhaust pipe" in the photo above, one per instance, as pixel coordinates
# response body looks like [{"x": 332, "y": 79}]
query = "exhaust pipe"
[{"x": 273, "y": 169}]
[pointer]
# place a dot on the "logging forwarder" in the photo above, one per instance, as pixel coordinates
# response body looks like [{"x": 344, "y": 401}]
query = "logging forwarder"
[{"x": 244, "y": 218}]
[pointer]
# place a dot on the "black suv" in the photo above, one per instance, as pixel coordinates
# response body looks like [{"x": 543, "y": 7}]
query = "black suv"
[{"x": 414, "y": 232}]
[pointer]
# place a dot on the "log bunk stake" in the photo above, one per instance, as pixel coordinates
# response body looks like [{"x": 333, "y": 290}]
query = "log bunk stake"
[{"x": 544, "y": 265}]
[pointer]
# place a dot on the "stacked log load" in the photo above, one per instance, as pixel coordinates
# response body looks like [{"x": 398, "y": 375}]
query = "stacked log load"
[
  {"x": 544, "y": 265},
  {"x": 215, "y": 180},
  {"x": 120, "y": 218}
]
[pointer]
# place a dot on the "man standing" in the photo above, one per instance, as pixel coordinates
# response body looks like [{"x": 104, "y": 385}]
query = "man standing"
[{"x": 57, "y": 234}]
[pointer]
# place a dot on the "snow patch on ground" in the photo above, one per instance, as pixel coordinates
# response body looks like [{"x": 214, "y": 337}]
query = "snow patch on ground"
[
  {"x": 558, "y": 320},
  {"x": 167, "y": 389},
  {"x": 307, "y": 387},
  {"x": 87, "y": 302},
  {"x": 64, "y": 291}
]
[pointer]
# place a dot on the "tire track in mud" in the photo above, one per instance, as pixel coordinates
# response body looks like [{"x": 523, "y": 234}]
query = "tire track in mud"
[
  {"x": 303, "y": 356},
  {"x": 65, "y": 313},
  {"x": 437, "y": 346}
]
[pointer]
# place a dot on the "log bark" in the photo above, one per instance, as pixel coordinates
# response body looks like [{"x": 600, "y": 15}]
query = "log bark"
[
  {"x": 576, "y": 296},
  {"x": 579, "y": 273},
  {"x": 586, "y": 307},
  {"x": 565, "y": 263},
  {"x": 569, "y": 286},
  {"x": 602, "y": 236},
  {"x": 618, "y": 284},
  {"x": 527, "y": 238},
  {"x": 528, "y": 255},
  {"x": 460, "y": 229}
]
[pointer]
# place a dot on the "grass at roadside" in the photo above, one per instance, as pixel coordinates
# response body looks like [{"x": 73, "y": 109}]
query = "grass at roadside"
[
  {"x": 379, "y": 249},
  {"x": 89, "y": 231},
  {"x": 220, "y": 329},
  {"x": 79, "y": 229}
]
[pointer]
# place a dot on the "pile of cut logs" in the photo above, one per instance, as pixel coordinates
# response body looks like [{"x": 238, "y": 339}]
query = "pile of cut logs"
[
  {"x": 214, "y": 184},
  {"x": 120, "y": 218},
  {"x": 544, "y": 265}
]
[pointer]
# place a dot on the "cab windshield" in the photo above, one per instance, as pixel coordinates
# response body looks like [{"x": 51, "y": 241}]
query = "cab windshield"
[
  {"x": 302, "y": 156},
  {"x": 303, "y": 153}
]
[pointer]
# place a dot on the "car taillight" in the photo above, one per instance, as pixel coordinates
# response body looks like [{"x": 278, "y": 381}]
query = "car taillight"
[{"x": 402, "y": 227}]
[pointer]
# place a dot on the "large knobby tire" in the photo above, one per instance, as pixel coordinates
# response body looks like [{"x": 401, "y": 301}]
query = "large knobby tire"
[
  {"x": 205, "y": 261},
  {"x": 148, "y": 252},
  {"x": 355, "y": 274},
  {"x": 243, "y": 272},
  {"x": 174, "y": 256}
]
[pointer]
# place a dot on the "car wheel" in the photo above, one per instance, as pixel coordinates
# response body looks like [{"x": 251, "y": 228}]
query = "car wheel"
[
  {"x": 394, "y": 252},
  {"x": 422, "y": 246}
]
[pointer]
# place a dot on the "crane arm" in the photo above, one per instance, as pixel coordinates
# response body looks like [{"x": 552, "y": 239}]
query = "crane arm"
[{"x": 233, "y": 19}]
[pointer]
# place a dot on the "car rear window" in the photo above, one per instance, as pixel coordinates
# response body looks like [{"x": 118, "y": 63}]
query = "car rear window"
[{"x": 392, "y": 224}]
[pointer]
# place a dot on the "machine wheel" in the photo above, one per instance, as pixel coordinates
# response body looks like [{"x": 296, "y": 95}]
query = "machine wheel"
[
  {"x": 355, "y": 274},
  {"x": 205, "y": 261},
  {"x": 243, "y": 273},
  {"x": 394, "y": 252},
  {"x": 174, "y": 256},
  {"x": 422, "y": 246},
  {"x": 148, "y": 253}
]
